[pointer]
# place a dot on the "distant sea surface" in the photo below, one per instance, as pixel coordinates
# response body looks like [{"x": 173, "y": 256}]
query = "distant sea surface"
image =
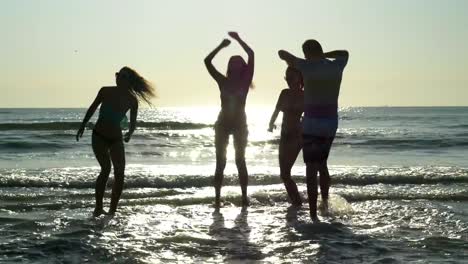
[{"x": 399, "y": 191}]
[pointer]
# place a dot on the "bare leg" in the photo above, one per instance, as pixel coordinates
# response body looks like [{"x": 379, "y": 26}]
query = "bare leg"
[
  {"x": 117, "y": 152},
  {"x": 311, "y": 178},
  {"x": 324, "y": 184},
  {"x": 221, "y": 142},
  {"x": 240, "y": 143},
  {"x": 101, "y": 151},
  {"x": 288, "y": 152}
]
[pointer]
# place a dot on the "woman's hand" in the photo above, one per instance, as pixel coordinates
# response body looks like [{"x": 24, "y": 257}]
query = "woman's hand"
[
  {"x": 79, "y": 134},
  {"x": 234, "y": 35},
  {"x": 127, "y": 137},
  {"x": 225, "y": 43},
  {"x": 272, "y": 126}
]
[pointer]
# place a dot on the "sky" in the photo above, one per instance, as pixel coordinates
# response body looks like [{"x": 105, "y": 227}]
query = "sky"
[{"x": 57, "y": 53}]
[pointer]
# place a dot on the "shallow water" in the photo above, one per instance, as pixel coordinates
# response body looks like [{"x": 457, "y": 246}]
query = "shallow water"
[{"x": 399, "y": 193}]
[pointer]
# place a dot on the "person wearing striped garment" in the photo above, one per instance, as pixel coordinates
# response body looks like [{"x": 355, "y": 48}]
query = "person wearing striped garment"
[{"x": 322, "y": 73}]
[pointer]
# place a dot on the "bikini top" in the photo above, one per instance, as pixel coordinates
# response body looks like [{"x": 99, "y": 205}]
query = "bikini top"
[{"x": 106, "y": 113}]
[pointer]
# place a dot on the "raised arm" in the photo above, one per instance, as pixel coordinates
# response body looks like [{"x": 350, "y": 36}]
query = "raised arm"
[
  {"x": 340, "y": 56},
  {"x": 246, "y": 48},
  {"x": 290, "y": 59},
  {"x": 209, "y": 64},
  {"x": 272, "y": 126},
  {"x": 92, "y": 108},
  {"x": 133, "y": 120},
  {"x": 336, "y": 54}
]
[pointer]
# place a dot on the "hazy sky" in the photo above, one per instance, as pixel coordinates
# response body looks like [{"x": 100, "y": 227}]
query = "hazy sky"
[{"x": 59, "y": 53}]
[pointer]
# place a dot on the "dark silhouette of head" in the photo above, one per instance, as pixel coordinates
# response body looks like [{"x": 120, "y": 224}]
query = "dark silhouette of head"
[
  {"x": 236, "y": 67},
  {"x": 294, "y": 78},
  {"x": 129, "y": 79},
  {"x": 312, "y": 49}
]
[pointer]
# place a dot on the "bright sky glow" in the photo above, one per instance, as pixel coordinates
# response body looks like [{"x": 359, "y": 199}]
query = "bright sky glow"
[{"x": 59, "y": 53}]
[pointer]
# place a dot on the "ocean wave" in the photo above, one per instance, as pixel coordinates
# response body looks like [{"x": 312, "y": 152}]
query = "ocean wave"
[
  {"x": 358, "y": 197},
  {"x": 168, "y": 125},
  {"x": 460, "y": 126},
  {"x": 258, "y": 197},
  {"x": 41, "y": 126},
  {"x": 411, "y": 117},
  {"x": 62, "y": 193},
  {"x": 404, "y": 143},
  {"x": 172, "y": 125},
  {"x": 142, "y": 178},
  {"x": 386, "y": 118},
  {"x": 200, "y": 181},
  {"x": 24, "y": 145},
  {"x": 366, "y": 140}
]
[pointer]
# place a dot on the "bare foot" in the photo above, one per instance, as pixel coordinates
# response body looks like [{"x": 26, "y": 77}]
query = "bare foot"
[
  {"x": 111, "y": 212},
  {"x": 314, "y": 218},
  {"x": 324, "y": 208},
  {"x": 98, "y": 211}
]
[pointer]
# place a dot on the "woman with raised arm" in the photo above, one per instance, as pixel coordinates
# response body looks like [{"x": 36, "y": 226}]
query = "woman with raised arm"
[
  {"x": 233, "y": 88},
  {"x": 107, "y": 139},
  {"x": 291, "y": 103}
]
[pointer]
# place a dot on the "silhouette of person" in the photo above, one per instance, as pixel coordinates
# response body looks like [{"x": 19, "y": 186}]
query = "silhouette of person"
[
  {"x": 233, "y": 88},
  {"x": 107, "y": 139},
  {"x": 322, "y": 80},
  {"x": 291, "y": 103}
]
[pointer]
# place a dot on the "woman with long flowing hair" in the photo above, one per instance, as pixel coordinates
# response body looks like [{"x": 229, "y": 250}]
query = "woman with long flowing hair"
[{"x": 107, "y": 138}]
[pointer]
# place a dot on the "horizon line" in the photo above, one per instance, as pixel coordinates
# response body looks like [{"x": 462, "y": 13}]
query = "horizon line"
[{"x": 211, "y": 106}]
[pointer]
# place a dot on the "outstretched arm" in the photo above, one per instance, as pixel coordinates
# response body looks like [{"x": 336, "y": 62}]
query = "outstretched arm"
[
  {"x": 290, "y": 59},
  {"x": 208, "y": 61},
  {"x": 272, "y": 126},
  {"x": 340, "y": 56},
  {"x": 336, "y": 54},
  {"x": 92, "y": 108},
  {"x": 133, "y": 120}
]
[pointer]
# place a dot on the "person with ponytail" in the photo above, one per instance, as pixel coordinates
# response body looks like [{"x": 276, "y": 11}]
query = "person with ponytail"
[
  {"x": 291, "y": 103},
  {"x": 107, "y": 139},
  {"x": 232, "y": 119}
]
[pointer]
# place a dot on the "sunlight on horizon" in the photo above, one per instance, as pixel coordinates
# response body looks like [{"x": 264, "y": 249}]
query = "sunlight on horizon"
[{"x": 59, "y": 54}]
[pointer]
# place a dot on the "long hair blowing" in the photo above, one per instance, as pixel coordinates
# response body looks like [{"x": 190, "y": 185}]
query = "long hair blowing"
[{"x": 139, "y": 86}]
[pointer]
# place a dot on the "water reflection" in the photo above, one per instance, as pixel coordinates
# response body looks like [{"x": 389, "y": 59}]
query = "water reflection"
[
  {"x": 335, "y": 242},
  {"x": 234, "y": 242}
]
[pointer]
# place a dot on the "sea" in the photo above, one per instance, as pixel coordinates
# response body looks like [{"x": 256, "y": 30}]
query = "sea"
[{"x": 399, "y": 191}]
